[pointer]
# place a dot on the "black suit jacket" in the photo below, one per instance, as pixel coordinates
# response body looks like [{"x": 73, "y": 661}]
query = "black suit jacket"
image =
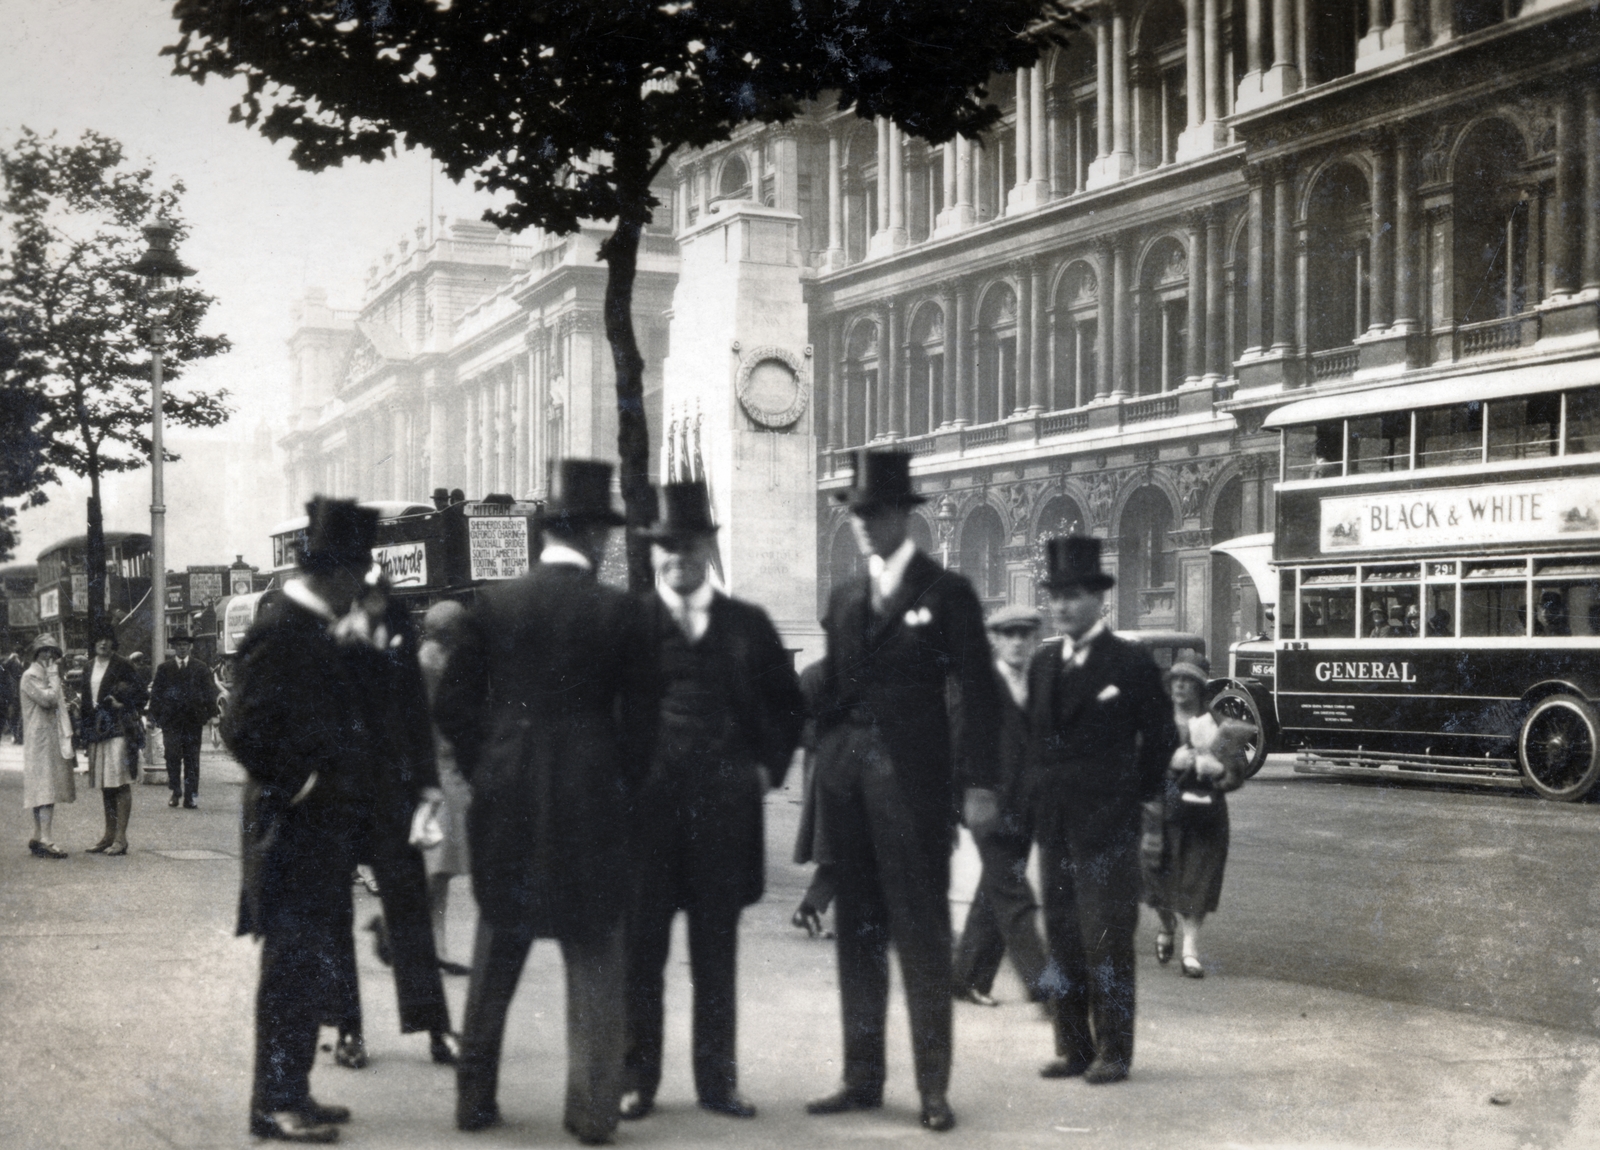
[
  {"x": 899, "y": 671},
  {"x": 183, "y": 697},
  {"x": 1101, "y": 733},
  {"x": 550, "y": 700}
]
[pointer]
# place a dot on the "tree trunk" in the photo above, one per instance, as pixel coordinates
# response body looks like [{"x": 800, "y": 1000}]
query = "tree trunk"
[
  {"x": 621, "y": 253},
  {"x": 94, "y": 559}
]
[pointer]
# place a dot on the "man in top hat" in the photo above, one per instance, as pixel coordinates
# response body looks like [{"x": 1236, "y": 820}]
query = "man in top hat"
[
  {"x": 1002, "y": 915},
  {"x": 730, "y": 716},
  {"x": 1102, "y": 734},
  {"x": 299, "y": 725},
  {"x": 892, "y": 764},
  {"x": 551, "y": 707},
  {"x": 183, "y": 699}
]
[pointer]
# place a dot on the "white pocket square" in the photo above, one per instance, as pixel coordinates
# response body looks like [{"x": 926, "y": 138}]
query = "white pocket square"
[
  {"x": 1111, "y": 692},
  {"x": 918, "y": 616}
]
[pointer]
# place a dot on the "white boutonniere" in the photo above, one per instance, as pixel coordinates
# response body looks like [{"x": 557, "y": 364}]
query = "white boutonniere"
[
  {"x": 1111, "y": 692},
  {"x": 918, "y": 617}
]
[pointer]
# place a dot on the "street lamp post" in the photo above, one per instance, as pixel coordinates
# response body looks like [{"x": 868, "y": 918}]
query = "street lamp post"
[{"x": 158, "y": 265}]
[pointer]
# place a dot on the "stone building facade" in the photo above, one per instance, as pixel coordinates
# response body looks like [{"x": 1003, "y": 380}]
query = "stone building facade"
[{"x": 1191, "y": 215}]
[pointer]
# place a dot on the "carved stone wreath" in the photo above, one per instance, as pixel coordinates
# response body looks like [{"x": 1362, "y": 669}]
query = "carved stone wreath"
[{"x": 773, "y": 386}]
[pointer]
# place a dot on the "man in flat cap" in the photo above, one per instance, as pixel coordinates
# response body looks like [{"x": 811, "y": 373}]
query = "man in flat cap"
[
  {"x": 729, "y": 721},
  {"x": 298, "y": 725},
  {"x": 550, "y": 704},
  {"x": 183, "y": 699},
  {"x": 890, "y": 766},
  {"x": 1001, "y": 918},
  {"x": 1101, "y": 735}
]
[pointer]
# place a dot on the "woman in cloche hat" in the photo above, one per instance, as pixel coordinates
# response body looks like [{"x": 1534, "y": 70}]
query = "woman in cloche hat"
[{"x": 46, "y": 754}]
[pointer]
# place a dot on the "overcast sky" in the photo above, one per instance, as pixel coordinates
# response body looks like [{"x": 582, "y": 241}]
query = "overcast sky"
[{"x": 261, "y": 230}]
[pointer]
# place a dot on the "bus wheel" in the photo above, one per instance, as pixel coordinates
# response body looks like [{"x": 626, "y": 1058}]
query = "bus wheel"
[
  {"x": 1238, "y": 705},
  {"x": 1560, "y": 748}
]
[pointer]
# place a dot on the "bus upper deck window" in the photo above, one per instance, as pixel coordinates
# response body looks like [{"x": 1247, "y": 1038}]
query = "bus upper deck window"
[
  {"x": 1524, "y": 428},
  {"x": 1583, "y": 420},
  {"x": 1450, "y": 435},
  {"x": 1314, "y": 451},
  {"x": 1380, "y": 443}
]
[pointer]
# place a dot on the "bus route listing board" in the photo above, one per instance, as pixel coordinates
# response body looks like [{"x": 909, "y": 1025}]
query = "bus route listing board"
[{"x": 498, "y": 539}]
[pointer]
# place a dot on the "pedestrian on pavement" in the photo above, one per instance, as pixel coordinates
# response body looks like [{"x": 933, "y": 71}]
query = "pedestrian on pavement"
[
  {"x": 810, "y": 844},
  {"x": 15, "y": 667},
  {"x": 551, "y": 709},
  {"x": 1185, "y": 847},
  {"x": 1001, "y": 918},
  {"x": 1101, "y": 735},
  {"x": 449, "y": 858},
  {"x": 377, "y": 638},
  {"x": 729, "y": 722},
  {"x": 112, "y": 734},
  {"x": 183, "y": 699},
  {"x": 47, "y": 760},
  {"x": 301, "y": 728},
  {"x": 891, "y": 760}
]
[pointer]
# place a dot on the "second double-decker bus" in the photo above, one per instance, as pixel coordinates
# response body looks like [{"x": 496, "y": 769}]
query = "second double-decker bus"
[{"x": 1437, "y": 556}]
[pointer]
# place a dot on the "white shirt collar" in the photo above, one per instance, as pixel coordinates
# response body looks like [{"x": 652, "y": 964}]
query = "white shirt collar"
[
  {"x": 1079, "y": 652},
  {"x": 1016, "y": 681},
  {"x": 297, "y": 591},
  {"x": 887, "y": 573},
  {"x": 562, "y": 554},
  {"x": 693, "y": 609}
]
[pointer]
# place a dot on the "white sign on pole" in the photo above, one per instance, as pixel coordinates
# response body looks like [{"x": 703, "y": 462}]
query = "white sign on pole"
[{"x": 499, "y": 546}]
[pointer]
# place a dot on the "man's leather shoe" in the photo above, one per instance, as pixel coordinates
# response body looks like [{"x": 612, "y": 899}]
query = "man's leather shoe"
[
  {"x": 975, "y": 996},
  {"x": 842, "y": 1100},
  {"x": 1103, "y": 1071},
  {"x": 589, "y": 1137},
  {"x": 190, "y": 804},
  {"x": 314, "y": 1111},
  {"x": 1064, "y": 1068},
  {"x": 290, "y": 1126},
  {"x": 479, "y": 1117},
  {"x": 936, "y": 1113},
  {"x": 636, "y": 1104},
  {"x": 733, "y": 1106},
  {"x": 174, "y": 800},
  {"x": 444, "y": 1047}
]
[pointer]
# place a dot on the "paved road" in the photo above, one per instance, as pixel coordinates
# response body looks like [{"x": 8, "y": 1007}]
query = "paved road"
[{"x": 1391, "y": 968}]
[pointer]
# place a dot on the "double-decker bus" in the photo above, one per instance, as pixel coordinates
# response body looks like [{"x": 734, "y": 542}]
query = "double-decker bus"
[
  {"x": 1437, "y": 584},
  {"x": 63, "y": 590}
]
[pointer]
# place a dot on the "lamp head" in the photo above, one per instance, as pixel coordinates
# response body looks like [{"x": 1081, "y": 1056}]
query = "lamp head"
[{"x": 160, "y": 260}]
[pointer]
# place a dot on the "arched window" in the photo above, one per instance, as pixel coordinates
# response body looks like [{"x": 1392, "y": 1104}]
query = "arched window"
[
  {"x": 734, "y": 182},
  {"x": 861, "y": 384},
  {"x": 1062, "y": 516},
  {"x": 1145, "y": 565},
  {"x": 1338, "y": 220},
  {"x": 982, "y": 538},
  {"x": 997, "y": 354},
  {"x": 925, "y": 383},
  {"x": 1161, "y": 108},
  {"x": 1495, "y": 276},
  {"x": 1164, "y": 318},
  {"x": 1077, "y": 331}
]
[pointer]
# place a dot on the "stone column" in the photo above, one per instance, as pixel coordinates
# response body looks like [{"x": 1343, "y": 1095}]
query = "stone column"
[
  {"x": 1043, "y": 362},
  {"x": 1252, "y": 45},
  {"x": 833, "y": 349},
  {"x": 1406, "y": 260},
  {"x": 1282, "y": 261},
  {"x": 897, "y": 181},
  {"x": 1255, "y": 301},
  {"x": 1104, "y": 335},
  {"x": 1025, "y": 338},
  {"x": 889, "y": 372},
  {"x": 835, "y": 254},
  {"x": 1380, "y": 278},
  {"x": 1302, "y": 276},
  {"x": 882, "y": 222},
  {"x": 1216, "y": 370},
  {"x": 1024, "y": 142},
  {"x": 1194, "y": 352},
  {"x": 1121, "y": 118},
  {"x": 1215, "y": 105},
  {"x": 1564, "y": 249},
  {"x": 1283, "y": 78},
  {"x": 1122, "y": 342},
  {"x": 1194, "y": 64},
  {"x": 956, "y": 340},
  {"x": 1206, "y": 132},
  {"x": 1590, "y": 125},
  {"x": 1102, "y": 85},
  {"x": 1041, "y": 131}
]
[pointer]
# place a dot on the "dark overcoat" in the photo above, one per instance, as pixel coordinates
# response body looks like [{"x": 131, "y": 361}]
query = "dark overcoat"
[
  {"x": 297, "y": 709},
  {"x": 1102, "y": 734},
  {"x": 550, "y": 701},
  {"x": 123, "y": 683},
  {"x": 183, "y": 697},
  {"x": 726, "y": 862},
  {"x": 898, "y": 671}
]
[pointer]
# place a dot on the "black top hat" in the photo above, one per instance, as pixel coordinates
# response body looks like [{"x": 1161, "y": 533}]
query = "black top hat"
[
  {"x": 340, "y": 534},
  {"x": 580, "y": 493},
  {"x": 1074, "y": 561},
  {"x": 686, "y": 511},
  {"x": 882, "y": 479}
]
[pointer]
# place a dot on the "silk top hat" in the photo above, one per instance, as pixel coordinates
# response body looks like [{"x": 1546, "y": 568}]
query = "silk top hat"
[
  {"x": 340, "y": 534},
  {"x": 882, "y": 479},
  {"x": 1074, "y": 561},
  {"x": 580, "y": 493},
  {"x": 686, "y": 512}
]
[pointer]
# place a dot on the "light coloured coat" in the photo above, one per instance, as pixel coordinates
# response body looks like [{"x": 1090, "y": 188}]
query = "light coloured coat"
[{"x": 46, "y": 729}]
